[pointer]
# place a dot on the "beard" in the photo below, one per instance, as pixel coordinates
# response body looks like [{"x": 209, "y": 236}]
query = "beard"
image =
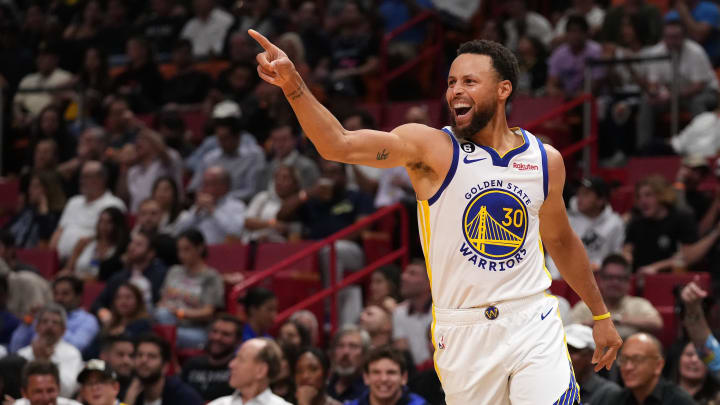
[
  {"x": 151, "y": 378},
  {"x": 480, "y": 118}
]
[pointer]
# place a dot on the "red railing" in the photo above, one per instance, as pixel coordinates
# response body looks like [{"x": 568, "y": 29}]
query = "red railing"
[
  {"x": 590, "y": 141},
  {"x": 427, "y": 53},
  {"x": 399, "y": 253}
]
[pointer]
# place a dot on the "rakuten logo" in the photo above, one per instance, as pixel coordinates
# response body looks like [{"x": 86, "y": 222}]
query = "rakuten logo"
[{"x": 523, "y": 166}]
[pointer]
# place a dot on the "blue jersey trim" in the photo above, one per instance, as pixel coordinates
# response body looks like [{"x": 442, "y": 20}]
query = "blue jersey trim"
[
  {"x": 504, "y": 161},
  {"x": 453, "y": 168},
  {"x": 543, "y": 155}
]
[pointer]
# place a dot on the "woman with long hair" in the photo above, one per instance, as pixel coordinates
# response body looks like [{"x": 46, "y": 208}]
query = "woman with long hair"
[
  {"x": 165, "y": 191},
  {"x": 384, "y": 288},
  {"x": 692, "y": 375},
  {"x": 191, "y": 292},
  {"x": 35, "y": 223},
  {"x": 98, "y": 257}
]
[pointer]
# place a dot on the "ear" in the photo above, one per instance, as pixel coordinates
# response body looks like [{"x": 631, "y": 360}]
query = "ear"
[
  {"x": 504, "y": 90},
  {"x": 262, "y": 369},
  {"x": 116, "y": 388}
]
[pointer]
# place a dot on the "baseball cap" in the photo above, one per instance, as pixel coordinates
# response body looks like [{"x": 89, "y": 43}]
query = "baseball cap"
[
  {"x": 597, "y": 185},
  {"x": 580, "y": 336},
  {"x": 226, "y": 109},
  {"x": 99, "y": 366}
]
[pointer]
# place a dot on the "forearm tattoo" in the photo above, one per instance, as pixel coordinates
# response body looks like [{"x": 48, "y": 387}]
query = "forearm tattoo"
[{"x": 297, "y": 93}]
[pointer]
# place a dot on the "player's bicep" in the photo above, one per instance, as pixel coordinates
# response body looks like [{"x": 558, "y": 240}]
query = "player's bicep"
[
  {"x": 385, "y": 149},
  {"x": 554, "y": 224}
]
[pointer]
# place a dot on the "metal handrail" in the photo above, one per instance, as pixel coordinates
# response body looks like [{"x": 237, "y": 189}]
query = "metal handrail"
[{"x": 399, "y": 253}]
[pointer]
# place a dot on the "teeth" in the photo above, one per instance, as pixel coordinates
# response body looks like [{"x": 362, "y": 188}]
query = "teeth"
[{"x": 461, "y": 106}]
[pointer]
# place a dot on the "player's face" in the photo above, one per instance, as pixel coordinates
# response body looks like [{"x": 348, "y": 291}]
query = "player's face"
[
  {"x": 385, "y": 380},
  {"x": 472, "y": 94}
]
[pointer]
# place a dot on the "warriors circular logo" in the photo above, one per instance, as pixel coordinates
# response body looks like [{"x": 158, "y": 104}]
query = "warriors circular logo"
[{"x": 495, "y": 224}]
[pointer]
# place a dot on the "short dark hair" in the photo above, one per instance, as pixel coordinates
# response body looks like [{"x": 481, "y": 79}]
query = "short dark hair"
[
  {"x": 76, "y": 284},
  {"x": 270, "y": 354},
  {"x": 39, "y": 367},
  {"x": 577, "y": 21},
  {"x": 385, "y": 352},
  {"x": 107, "y": 342},
  {"x": 156, "y": 340},
  {"x": 224, "y": 317},
  {"x": 504, "y": 61},
  {"x": 615, "y": 258},
  {"x": 257, "y": 296},
  {"x": 196, "y": 239}
]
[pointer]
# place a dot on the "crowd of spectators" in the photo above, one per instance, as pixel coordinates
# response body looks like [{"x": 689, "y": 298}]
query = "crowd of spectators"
[{"x": 98, "y": 101}]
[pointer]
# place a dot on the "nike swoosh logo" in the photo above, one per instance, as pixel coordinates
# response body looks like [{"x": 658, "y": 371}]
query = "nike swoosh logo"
[
  {"x": 542, "y": 317},
  {"x": 466, "y": 160}
]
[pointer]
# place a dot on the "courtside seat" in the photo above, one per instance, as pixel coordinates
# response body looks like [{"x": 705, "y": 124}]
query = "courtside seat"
[{"x": 45, "y": 260}]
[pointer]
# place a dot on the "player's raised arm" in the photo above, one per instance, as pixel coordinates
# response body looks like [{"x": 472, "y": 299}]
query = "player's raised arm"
[
  {"x": 571, "y": 259},
  {"x": 400, "y": 147}
]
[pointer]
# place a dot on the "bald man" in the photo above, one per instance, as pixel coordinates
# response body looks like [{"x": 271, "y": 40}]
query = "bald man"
[
  {"x": 641, "y": 362},
  {"x": 216, "y": 213},
  {"x": 256, "y": 364}
]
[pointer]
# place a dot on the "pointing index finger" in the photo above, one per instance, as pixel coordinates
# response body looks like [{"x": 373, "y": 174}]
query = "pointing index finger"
[{"x": 260, "y": 38}]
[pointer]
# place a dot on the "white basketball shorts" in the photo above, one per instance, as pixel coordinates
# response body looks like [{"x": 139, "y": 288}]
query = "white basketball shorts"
[{"x": 512, "y": 352}]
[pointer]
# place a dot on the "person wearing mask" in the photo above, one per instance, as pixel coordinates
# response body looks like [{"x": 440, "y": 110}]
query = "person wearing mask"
[{"x": 256, "y": 364}]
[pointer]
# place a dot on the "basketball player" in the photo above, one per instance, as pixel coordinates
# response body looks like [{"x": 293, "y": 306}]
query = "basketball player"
[{"x": 489, "y": 198}]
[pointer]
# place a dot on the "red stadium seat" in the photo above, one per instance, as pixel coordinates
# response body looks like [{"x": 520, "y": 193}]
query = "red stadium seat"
[
  {"x": 9, "y": 192},
  {"x": 671, "y": 325},
  {"x": 229, "y": 257},
  {"x": 659, "y": 288},
  {"x": 45, "y": 260},
  {"x": 640, "y": 168},
  {"x": 622, "y": 199},
  {"x": 169, "y": 334},
  {"x": 91, "y": 291}
]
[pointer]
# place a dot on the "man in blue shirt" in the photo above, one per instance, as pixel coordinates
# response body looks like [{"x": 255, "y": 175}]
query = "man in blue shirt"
[
  {"x": 702, "y": 22},
  {"x": 82, "y": 327}
]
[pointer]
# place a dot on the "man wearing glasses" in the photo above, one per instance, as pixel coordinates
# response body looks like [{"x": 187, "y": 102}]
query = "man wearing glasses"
[
  {"x": 629, "y": 313},
  {"x": 641, "y": 363}
]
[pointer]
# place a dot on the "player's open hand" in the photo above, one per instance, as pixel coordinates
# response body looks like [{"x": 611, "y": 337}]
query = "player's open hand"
[
  {"x": 607, "y": 344},
  {"x": 274, "y": 66}
]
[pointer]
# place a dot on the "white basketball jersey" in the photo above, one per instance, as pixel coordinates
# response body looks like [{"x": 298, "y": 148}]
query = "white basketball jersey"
[{"x": 480, "y": 231}]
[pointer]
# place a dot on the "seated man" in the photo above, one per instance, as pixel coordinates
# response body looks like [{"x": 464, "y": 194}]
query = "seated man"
[
  {"x": 209, "y": 373},
  {"x": 81, "y": 213},
  {"x": 631, "y": 314},
  {"x": 41, "y": 385},
  {"x": 48, "y": 345},
  {"x": 118, "y": 352},
  {"x": 256, "y": 364},
  {"x": 216, "y": 213},
  {"x": 347, "y": 349},
  {"x": 641, "y": 362},
  {"x": 385, "y": 374},
  {"x": 81, "y": 326}
]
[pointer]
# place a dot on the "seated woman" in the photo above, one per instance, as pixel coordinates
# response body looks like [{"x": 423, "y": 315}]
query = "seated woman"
[
  {"x": 261, "y": 307},
  {"x": 127, "y": 315},
  {"x": 191, "y": 293},
  {"x": 384, "y": 288},
  {"x": 692, "y": 376},
  {"x": 311, "y": 370},
  {"x": 293, "y": 334},
  {"x": 99, "y": 257},
  {"x": 167, "y": 194},
  {"x": 34, "y": 225}
]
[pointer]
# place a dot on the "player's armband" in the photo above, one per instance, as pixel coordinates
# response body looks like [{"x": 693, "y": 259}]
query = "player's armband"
[{"x": 710, "y": 353}]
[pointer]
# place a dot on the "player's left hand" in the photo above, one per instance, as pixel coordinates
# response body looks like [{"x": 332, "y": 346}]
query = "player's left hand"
[{"x": 607, "y": 344}]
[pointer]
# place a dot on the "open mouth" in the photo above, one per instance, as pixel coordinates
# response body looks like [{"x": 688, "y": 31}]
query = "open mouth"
[{"x": 461, "y": 112}]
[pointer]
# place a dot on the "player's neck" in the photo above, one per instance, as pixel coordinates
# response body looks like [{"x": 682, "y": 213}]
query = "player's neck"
[{"x": 497, "y": 135}]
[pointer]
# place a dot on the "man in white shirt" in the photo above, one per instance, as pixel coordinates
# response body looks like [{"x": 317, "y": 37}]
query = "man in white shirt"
[
  {"x": 215, "y": 213},
  {"x": 697, "y": 83},
  {"x": 81, "y": 213},
  {"x": 207, "y": 29},
  {"x": 40, "y": 385},
  {"x": 47, "y": 77},
  {"x": 49, "y": 345},
  {"x": 256, "y": 364},
  {"x": 412, "y": 317}
]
